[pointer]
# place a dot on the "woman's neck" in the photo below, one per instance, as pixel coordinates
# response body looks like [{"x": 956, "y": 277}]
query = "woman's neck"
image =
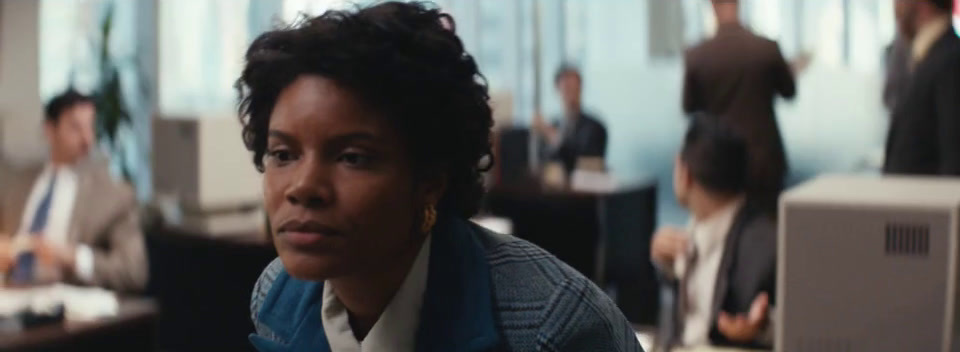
[{"x": 366, "y": 295}]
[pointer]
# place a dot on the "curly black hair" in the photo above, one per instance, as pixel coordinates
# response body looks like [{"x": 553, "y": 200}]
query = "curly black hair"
[{"x": 398, "y": 59}]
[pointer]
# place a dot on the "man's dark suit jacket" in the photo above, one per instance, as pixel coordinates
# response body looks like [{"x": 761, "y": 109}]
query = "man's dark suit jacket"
[
  {"x": 588, "y": 139},
  {"x": 735, "y": 76},
  {"x": 924, "y": 137},
  {"x": 748, "y": 267}
]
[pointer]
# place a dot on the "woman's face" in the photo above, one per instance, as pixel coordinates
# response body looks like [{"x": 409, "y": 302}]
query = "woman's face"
[{"x": 338, "y": 184}]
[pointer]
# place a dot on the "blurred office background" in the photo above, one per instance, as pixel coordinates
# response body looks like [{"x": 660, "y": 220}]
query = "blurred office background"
[
  {"x": 178, "y": 59},
  {"x": 176, "y": 62}
]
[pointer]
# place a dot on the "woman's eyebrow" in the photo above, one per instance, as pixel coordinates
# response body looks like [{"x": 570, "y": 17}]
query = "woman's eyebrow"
[
  {"x": 354, "y": 137},
  {"x": 285, "y": 137}
]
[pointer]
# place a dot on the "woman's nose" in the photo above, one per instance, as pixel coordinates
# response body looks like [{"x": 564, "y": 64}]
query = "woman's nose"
[{"x": 311, "y": 185}]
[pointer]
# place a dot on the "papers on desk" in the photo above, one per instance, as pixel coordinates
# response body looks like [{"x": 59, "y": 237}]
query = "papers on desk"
[{"x": 79, "y": 303}]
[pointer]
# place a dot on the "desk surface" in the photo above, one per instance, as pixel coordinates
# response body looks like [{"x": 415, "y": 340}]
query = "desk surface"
[
  {"x": 534, "y": 188},
  {"x": 645, "y": 334},
  {"x": 711, "y": 349},
  {"x": 132, "y": 312}
]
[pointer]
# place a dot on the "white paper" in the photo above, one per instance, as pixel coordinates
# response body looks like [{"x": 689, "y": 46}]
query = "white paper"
[{"x": 80, "y": 303}]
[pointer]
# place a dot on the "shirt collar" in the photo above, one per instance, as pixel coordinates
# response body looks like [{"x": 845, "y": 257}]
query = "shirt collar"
[
  {"x": 396, "y": 328},
  {"x": 927, "y": 36},
  {"x": 49, "y": 169}
]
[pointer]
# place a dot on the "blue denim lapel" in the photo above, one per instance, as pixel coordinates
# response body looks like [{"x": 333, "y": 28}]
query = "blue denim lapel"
[{"x": 292, "y": 312}]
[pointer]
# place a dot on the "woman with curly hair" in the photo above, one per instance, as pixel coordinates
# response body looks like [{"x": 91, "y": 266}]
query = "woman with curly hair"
[{"x": 372, "y": 130}]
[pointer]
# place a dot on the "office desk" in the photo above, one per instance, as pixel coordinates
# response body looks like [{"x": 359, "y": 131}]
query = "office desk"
[
  {"x": 604, "y": 235},
  {"x": 131, "y": 330}
]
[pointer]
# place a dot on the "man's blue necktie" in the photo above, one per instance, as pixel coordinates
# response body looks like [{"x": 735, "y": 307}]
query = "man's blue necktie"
[
  {"x": 23, "y": 270},
  {"x": 43, "y": 210}
]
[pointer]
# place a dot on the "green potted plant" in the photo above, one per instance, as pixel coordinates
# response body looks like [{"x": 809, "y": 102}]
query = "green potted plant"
[{"x": 113, "y": 113}]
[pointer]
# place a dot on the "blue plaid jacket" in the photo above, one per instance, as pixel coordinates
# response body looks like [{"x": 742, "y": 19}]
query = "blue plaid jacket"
[{"x": 485, "y": 292}]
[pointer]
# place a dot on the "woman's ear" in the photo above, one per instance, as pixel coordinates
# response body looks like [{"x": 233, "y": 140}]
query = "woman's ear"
[{"x": 432, "y": 188}]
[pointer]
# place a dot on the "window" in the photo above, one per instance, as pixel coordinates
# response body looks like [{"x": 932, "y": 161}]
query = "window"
[
  {"x": 871, "y": 29},
  {"x": 201, "y": 55},
  {"x": 822, "y": 31},
  {"x": 67, "y": 55},
  {"x": 293, "y": 9}
]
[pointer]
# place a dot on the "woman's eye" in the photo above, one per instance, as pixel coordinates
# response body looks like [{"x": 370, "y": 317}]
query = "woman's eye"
[
  {"x": 355, "y": 159},
  {"x": 280, "y": 157}
]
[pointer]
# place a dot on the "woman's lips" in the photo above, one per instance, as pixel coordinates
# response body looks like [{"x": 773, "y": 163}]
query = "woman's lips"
[
  {"x": 308, "y": 234},
  {"x": 308, "y": 239}
]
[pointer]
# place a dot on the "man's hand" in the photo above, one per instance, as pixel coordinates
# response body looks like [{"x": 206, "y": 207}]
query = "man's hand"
[
  {"x": 6, "y": 253},
  {"x": 746, "y": 328},
  {"x": 800, "y": 63},
  {"x": 58, "y": 257},
  {"x": 668, "y": 244}
]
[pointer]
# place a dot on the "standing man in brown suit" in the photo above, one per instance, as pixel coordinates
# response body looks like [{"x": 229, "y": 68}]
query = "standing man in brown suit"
[
  {"x": 69, "y": 220},
  {"x": 735, "y": 76}
]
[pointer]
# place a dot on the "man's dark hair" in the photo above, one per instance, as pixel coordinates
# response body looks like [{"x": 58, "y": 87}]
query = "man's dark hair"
[
  {"x": 945, "y": 5},
  {"x": 715, "y": 155},
  {"x": 62, "y": 102},
  {"x": 399, "y": 60},
  {"x": 563, "y": 71}
]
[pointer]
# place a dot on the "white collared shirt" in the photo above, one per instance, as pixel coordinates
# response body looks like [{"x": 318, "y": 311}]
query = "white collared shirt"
[
  {"x": 927, "y": 37},
  {"x": 57, "y": 230},
  {"x": 396, "y": 329},
  {"x": 708, "y": 237}
]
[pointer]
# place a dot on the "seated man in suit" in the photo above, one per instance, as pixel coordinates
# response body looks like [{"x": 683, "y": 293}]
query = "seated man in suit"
[
  {"x": 580, "y": 134},
  {"x": 722, "y": 267},
  {"x": 69, "y": 220}
]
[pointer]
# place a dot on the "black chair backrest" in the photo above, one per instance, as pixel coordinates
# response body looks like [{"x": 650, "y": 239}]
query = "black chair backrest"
[
  {"x": 203, "y": 287},
  {"x": 514, "y": 155}
]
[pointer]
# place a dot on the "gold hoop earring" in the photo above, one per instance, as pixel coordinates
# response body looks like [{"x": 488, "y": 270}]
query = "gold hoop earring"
[{"x": 429, "y": 219}]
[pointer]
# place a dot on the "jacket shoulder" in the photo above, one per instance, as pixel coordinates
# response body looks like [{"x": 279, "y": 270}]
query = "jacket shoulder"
[
  {"x": 759, "y": 238},
  {"x": 693, "y": 53},
  {"x": 760, "y": 227},
  {"x": 593, "y": 121},
  {"x": 544, "y": 304},
  {"x": 945, "y": 58},
  {"x": 114, "y": 198}
]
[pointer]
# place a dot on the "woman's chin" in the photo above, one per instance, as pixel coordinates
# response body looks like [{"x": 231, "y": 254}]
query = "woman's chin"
[{"x": 312, "y": 267}]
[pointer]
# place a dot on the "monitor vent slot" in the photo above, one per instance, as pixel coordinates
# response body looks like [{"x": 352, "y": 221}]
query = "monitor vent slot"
[{"x": 907, "y": 239}]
